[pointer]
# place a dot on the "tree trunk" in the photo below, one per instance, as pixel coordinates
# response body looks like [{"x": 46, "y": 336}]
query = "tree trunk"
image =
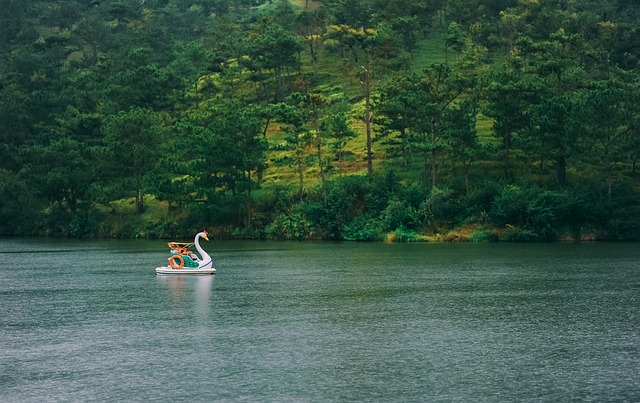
[
  {"x": 405, "y": 148},
  {"x": 276, "y": 91},
  {"x": 506, "y": 144},
  {"x": 300, "y": 179},
  {"x": 434, "y": 169},
  {"x": 467, "y": 166},
  {"x": 366, "y": 83},
  {"x": 561, "y": 169},
  {"x": 139, "y": 195},
  {"x": 434, "y": 165},
  {"x": 249, "y": 201},
  {"x": 425, "y": 168},
  {"x": 324, "y": 183}
]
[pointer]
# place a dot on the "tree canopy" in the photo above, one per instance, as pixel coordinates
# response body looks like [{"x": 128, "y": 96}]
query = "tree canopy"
[{"x": 336, "y": 119}]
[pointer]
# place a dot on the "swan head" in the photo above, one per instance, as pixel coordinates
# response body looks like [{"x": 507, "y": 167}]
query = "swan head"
[{"x": 204, "y": 234}]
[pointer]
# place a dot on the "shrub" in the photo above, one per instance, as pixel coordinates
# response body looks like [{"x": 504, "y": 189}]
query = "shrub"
[
  {"x": 484, "y": 236},
  {"x": 402, "y": 234},
  {"x": 362, "y": 228},
  {"x": 289, "y": 227},
  {"x": 474, "y": 207},
  {"x": 513, "y": 234},
  {"x": 398, "y": 214},
  {"x": 438, "y": 211},
  {"x": 624, "y": 224},
  {"x": 532, "y": 213},
  {"x": 510, "y": 206}
]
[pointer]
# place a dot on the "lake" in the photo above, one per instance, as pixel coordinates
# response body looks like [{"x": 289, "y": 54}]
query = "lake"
[{"x": 317, "y": 322}]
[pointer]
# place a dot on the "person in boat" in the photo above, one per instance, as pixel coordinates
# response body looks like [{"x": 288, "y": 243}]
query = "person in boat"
[
  {"x": 193, "y": 256},
  {"x": 183, "y": 249}
]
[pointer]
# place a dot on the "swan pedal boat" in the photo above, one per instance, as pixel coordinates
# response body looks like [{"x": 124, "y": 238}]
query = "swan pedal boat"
[{"x": 183, "y": 261}]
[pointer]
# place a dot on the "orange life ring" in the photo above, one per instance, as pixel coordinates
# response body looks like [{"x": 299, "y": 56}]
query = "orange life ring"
[{"x": 174, "y": 265}]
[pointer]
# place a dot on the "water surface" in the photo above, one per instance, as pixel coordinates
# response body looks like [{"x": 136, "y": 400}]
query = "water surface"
[{"x": 90, "y": 321}]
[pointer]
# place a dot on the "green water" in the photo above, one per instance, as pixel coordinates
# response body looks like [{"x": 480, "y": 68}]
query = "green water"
[{"x": 318, "y": 322}]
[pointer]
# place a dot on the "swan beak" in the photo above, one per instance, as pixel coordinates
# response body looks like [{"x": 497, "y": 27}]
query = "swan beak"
[{"x": 206, "y": 238}]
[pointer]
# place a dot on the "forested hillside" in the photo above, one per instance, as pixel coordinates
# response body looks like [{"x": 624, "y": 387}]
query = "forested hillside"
[{"x": 481, "y": 120}]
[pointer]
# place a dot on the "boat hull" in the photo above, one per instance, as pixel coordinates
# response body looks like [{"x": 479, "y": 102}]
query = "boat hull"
[{"x": 168, "y": 270}]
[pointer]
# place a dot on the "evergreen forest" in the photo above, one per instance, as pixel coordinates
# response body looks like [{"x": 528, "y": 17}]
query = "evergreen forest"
[{"x": 366, "y": 120}]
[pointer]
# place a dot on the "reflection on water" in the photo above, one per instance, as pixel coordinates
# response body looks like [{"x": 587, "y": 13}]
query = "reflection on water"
[{"x": 184, "y": 290}]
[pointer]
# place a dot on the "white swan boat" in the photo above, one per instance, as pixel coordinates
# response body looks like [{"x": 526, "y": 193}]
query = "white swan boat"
[{"x": 184, "y": 261}]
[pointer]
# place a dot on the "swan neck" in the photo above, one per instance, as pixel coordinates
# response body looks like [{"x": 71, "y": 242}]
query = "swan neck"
[{"x": 203, "y": 255}]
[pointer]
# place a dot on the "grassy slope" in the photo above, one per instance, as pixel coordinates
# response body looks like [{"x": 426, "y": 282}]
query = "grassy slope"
[{"x": 332, "y": 74}]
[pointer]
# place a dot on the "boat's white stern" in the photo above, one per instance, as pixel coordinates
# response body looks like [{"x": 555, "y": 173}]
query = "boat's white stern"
[{"x": 168, "y": 270}]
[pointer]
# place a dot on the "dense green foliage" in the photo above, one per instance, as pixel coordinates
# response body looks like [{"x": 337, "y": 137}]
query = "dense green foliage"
[{"x": 338, "y": 119}]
